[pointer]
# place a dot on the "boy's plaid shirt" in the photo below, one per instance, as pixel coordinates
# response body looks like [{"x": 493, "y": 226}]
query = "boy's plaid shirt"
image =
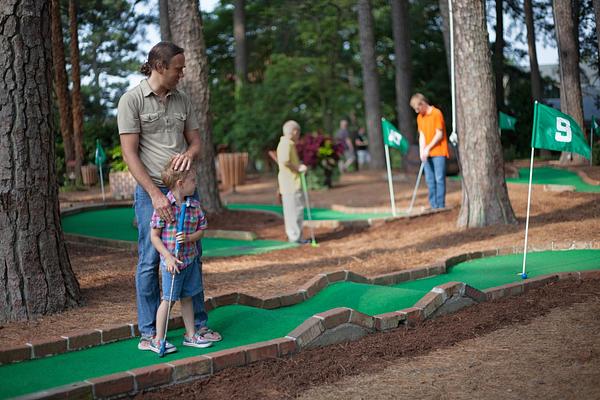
[{"x": 195, "y": 220}]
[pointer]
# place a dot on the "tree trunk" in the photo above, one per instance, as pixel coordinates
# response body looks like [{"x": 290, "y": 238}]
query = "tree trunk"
[
  {"x": 597, "y": 20},
  {"x": 35, "y": 273},
  {"x": 499, "y": 54},
  {"x": 370, "y": 83},
  {"x": 406, "y": 116},
  {"x": 163, "y": 12},
  {"x": 77, "y": 104},
  {"x": 61, "y": 83},
  {"x": 185, "y": 21},
  {"x": 568, "y": 56},
  {"x": 239, "y": 33},
  {"x": 445, "y": 13},
  {"x": 484, "y": 194}
]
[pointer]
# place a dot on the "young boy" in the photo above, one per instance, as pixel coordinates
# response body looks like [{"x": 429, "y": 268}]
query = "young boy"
[{"x": 183, "y": 268}]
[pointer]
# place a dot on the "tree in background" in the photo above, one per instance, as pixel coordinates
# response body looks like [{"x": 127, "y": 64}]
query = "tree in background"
[
  {"x": 36, "y": 273},
  {"x": 400, "y": 28},
  {"x": 163, "y": 12},
  {"x": 568, "y": 56},
  {"x": 61, "y": 83},
  {"x": 484, "y": 194},
  {"x": 77, "y": 104},
  {"x": 499, "y": 54},
  {"x": 370, "y": 83},
  {"x": 185, "y": 22},
  {"x": 536, "y": 79},
  {"x": 241, "y": 53}
]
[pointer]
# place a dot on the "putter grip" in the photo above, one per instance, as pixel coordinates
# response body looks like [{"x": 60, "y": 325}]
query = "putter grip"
[{"x": 180, "y": 224}]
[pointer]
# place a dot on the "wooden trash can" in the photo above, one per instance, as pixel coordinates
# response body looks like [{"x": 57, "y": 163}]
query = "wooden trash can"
[
  {"x": 89, "y": 174},
  {"x": 232, "y": 167}
]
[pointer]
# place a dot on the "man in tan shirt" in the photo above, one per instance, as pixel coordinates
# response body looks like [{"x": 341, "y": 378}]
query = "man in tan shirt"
[
  {"x": 157, "y": 122},
  {"x": 288, "y": 178}
]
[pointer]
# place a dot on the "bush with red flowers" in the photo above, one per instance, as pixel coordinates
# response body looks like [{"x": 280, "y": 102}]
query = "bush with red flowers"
[{"x": 320, "y": 154}]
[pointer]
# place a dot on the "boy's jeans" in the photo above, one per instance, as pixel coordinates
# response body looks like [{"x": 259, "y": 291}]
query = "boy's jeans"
[
  {"x": 146, "y": 276},
  {"x": 435, "y": 176}
]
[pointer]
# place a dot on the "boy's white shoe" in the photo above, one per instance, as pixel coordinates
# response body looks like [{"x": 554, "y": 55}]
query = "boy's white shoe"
[
  {"x": 196, "y": 341},
  {"x": 147, "y": 343}
]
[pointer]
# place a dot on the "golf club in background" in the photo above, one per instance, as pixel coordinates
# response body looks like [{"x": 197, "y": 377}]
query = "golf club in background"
[
  {"x": 313, "y": 242},
  {"x": 180, "y": 222}
]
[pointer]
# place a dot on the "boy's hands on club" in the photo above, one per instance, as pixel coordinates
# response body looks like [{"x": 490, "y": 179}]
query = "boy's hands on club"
[
  {"x": 172, "y": 264},
  {"x": 181, "y": 237}
]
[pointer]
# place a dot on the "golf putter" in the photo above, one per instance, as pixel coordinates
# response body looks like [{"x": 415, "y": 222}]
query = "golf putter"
[
  {"x": 180, "y": 222},
  {"x": 313, "y": 242}
]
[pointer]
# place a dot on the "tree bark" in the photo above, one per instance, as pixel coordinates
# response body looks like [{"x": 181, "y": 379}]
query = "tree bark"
[
  {"x": 77, "y": 104},
  {"x": 445, "y": 13},
  {"x": 35, "y": 273},
  {"x": 186, "y": 25},
  {"x": 163, "y": 12},
  {"x": 571, "y": 100},
  {"x": 370, "y": 83},
  {"x": 536, "y": 80},
  {"x": 406, "y": 117},
  {"x": 61, "y": 83},
  {"x": 239, "y": 33},
  {"x": 499, "y": 54},
  {"x": 484, "y": 195},
  {"x": 597, "y": 20}
]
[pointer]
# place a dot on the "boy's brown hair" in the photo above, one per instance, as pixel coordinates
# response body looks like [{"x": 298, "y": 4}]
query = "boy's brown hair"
[{"x": 170, "y": 176}]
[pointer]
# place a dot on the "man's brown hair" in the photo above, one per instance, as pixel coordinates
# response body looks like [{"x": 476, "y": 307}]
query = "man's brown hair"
[{"x": 160, "y": 54}]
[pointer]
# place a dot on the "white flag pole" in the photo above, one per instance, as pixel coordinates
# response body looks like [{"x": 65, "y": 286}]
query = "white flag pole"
[
  {"x": 452, "y": 83},
  {"x": 389, "y": 176},
  {"x": 102, "y": 184},
  {"x": 412, "y": 200},
  {"x": 524, "y": 273}
]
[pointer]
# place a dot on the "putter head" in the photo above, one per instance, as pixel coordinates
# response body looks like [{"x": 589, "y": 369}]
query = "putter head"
[
  {"x": 314, "y": 243},
  {"x": 524, "y": 276},
  {"x": 163, "y": 344}
]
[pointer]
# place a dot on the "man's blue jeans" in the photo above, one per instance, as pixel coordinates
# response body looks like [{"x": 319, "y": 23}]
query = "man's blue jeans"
[
  {"x": 146, "y": 276},
  {"x": 435, "y": 176}
]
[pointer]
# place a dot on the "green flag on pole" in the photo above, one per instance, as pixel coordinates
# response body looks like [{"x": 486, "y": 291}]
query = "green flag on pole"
[
  {"x": 595, "y": 127},
  {"x": 506, "y": 122},
  {"x": 100, "y": 155},
  {"x": 554, "y": 130},
  {"x": 392, "y": 137}
]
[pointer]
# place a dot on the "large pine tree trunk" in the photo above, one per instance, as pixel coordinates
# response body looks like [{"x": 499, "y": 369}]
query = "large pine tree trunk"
[
  {"x": 406, "y": 117},
  {"x": 163, "y": 16},
  {"x": 35, "y": 272},
  {"x": 499, "y": 54},
  {"x": 185, "y": 21},
  {"x": 370, "y": 83},
  {"x": 484, "y": 194},
  {"x": 239, "y": 33},
  {"x": 77, "y": 104},
  {"x": 61, "y": 83},
  {"x": 571, "y": 101},
  {"x": 597, "y": 20}
]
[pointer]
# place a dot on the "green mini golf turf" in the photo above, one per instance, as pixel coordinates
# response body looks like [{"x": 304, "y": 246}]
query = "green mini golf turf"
[
  {"x": 318, "y": 214},
  {"x": 554, "y": 176},
  {"x": 243, "y": 325},
  {"x": 116, "y": 223}
]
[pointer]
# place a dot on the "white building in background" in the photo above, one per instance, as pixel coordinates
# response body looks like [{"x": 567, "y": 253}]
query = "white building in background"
[{"x": 590, "y": 88}]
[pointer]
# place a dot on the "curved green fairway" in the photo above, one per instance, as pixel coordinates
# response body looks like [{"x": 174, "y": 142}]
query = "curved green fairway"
[
  {"x": 318, "y": 214},
  {"x": 554, "y": 176},
  {"x": 242, "y": 325}
]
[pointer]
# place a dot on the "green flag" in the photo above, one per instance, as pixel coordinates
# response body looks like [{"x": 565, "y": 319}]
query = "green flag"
[
  {"x": 506, "y": 122},
  {"x": 100, "y": 155},
  {"x": 392, "y": 137},
  {"x": 557, "y": 131},
  {"x": 595, "y": 126}
]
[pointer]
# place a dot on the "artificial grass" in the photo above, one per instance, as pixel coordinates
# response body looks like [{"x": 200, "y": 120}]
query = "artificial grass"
[
  {"x": 554, "y": 176},
  {"x": 116, "y": 223},
  {"x": 243, "y": 325},
  {"x": 317, "y": 214}
]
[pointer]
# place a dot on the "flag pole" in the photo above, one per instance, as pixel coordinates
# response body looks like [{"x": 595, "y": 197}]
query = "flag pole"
[
  {"x": 412, "y": 200},
  {"x": 389, "y": 176},
  {"x": 592, "y": 144},
  {"x": 102, "y": 184},
  {"x": 452, "y": 83},
  {"x": 535, "y": 115}
]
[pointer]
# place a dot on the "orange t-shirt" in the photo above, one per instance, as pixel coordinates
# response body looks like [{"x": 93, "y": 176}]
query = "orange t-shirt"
[{"x": 428, "y": 124}]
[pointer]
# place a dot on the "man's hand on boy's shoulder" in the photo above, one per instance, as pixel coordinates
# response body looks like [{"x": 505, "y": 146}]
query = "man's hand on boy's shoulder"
[{"x": 162, "y": 206}]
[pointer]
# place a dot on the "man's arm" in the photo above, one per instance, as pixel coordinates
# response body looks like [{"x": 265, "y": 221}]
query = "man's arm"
[{"x": 129, "y": 146}]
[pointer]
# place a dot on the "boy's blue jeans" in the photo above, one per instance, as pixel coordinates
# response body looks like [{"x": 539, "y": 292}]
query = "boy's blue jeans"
[
  {"x": 435, "y": 176},
  {"x": 146, "y": 276}
]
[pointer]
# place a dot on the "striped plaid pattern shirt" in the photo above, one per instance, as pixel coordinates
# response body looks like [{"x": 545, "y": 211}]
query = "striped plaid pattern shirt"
[{"x": 195, "y": 220}]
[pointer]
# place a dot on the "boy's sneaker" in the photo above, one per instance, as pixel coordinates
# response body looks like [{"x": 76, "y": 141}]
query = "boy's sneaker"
[
  {"x": 148, "y": 343},
  {"x": 196, "y": 341},
  {"x": 208, "y": 334}
]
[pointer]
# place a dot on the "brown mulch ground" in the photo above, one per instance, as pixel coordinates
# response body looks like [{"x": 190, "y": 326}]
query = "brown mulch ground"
[
  {"x": 107, "y": 276},
  {"x": 560, "y": 319}
]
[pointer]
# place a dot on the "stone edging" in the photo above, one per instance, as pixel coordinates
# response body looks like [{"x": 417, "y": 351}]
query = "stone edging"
[
  {"x": 365, "y": 223},
  {"x": 332, "y": 326}
]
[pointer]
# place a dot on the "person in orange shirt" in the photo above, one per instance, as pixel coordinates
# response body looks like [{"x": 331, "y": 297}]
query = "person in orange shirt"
[{"x": 433, "y": 148}]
